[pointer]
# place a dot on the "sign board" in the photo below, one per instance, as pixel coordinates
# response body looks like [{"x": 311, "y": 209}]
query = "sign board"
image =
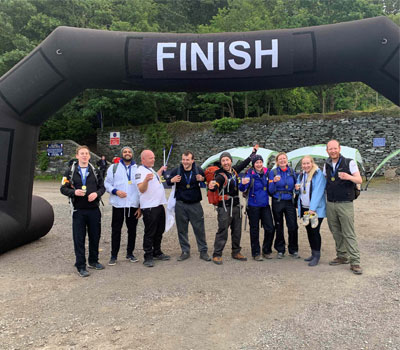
[
  {"x": 55, "y": 149},
  {"x": 379, "y": 142},
  {"x": 114, "y": 138}
]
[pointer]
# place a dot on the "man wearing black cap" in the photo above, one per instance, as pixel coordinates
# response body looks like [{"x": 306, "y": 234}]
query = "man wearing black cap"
[
  {"x": 229, "y": 211},
  {"x": 124, "y": 198}
]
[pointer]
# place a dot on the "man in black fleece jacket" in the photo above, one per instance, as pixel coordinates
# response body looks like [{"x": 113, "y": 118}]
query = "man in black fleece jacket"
[{"x": 187, "y": 178}]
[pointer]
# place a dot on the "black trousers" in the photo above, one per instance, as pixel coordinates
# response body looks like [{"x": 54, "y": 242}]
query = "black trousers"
[
  {"x": 118, "y": 215},
  {"x": 263, "y": 214},
  {"x": 154, "y": 227},
  {"x": 224, "y": 222},
  {"x": 83, "y": 219},
  {"x": 285, "y": 208},
  {"x": 313, "y": 234}
]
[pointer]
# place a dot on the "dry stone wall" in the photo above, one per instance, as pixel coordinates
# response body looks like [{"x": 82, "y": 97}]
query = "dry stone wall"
[{"x": 355, "y": 131}]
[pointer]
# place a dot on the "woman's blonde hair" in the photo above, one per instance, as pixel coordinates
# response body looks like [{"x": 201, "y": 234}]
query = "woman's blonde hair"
[
  {"x": 278, "y": 155},
  {"x": 313, "y": 169}
]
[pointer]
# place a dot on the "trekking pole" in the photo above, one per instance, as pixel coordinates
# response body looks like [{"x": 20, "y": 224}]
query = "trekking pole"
[
  {"x": 163, "y": 155},
  {"x": 169, "y": 153}
]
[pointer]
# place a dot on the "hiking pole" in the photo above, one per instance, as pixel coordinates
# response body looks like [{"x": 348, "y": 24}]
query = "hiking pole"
[
  {"x": 169, "y": 153},
  {"x": 163, "y": 155}
]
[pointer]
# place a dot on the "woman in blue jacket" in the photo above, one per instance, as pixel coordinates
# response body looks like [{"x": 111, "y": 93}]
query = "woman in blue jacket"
[
  {"x": 311, "y": 186},
  {"x": 281, "y": 187},
  {"x": 255, "y": 182}
]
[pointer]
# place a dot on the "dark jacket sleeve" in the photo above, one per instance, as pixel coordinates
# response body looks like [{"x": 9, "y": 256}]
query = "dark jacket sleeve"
[
  {"x": 242, "y": 165},
  {"x": 173, "y": 173},
  {"x": 100, "y": 185},
  {"x": 220, "y": 181},
  {"x": 66, "y": 187}
]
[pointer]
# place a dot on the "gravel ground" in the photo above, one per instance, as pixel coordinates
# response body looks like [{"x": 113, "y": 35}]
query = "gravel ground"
[{"x": 274, "y": 304}]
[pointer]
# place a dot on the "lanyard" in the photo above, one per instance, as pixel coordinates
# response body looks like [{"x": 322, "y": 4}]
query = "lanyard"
[
  {"x": 128, "y": 174},
  {"x": 336, "y": 168},
  {"x": 83, "y": 177},
  {"x": 304, "y": 182},
  {"x": 151, "y": 169},
  {"x": 190, "y": 177}
]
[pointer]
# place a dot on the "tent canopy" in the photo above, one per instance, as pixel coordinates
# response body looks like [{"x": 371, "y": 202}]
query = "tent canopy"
[
  {"x": 390, "y": 156},
  {"x": 319, "y": 151},
  {"x": 241, "y": 153}
]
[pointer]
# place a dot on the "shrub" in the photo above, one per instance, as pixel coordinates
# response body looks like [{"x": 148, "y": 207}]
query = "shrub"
[{"x": 225, "y": 125}]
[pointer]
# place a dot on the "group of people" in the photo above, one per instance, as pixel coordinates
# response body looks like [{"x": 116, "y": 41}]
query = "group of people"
[{"x": 137, "y": 191}]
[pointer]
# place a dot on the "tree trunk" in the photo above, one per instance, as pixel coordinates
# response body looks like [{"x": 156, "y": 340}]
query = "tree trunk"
[{"x": 246, "y": 105}]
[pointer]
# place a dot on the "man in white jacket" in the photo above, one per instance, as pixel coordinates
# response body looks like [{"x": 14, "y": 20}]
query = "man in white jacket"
[{"x": 124, "y": 198}]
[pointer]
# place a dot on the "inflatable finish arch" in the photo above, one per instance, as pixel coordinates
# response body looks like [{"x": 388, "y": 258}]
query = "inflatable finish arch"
[{"x": 71, "y": 60}]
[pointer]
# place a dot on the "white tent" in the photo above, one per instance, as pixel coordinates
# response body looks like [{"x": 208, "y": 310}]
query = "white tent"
[
  {"x": 319, "y": 151},
  {"x": 241, "y": 153}
]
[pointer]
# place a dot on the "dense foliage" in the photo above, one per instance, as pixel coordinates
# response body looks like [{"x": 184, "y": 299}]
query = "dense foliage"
[{"x": 25, "y": 23}]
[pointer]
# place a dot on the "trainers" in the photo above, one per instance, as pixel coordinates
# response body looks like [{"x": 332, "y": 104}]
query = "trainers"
[
  {"x": 217, "y": 260},
  {"x": 356, "y": 269},
  {"x": 258, "y": 258},
  {"x": 295, "y": 255},
  {"x": 184, "y": 256},
  {"x": 148, "y": 263},
  {"x": 267, "y": 256},
  {"x": 306, "y": 218},
  {"x": 280, "y": 255},
  {"x": 112, "y": 262},
  {"x": 83, "y": 273},
  {"x": 161, "y": 257},
  {"x": 204, "y": 256},
  {"x": 314, "y": 220},
  {"x": 338, "y": 261},
  {"x": 96, "y": 266},
  {"x": 239, "y": 256},
  {"x": 132, "y": 258}
]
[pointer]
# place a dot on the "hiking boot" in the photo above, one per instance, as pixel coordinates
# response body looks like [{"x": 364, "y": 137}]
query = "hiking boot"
[
  {"x": 83, "y": 273},
  {"x": 356, "y": 269},
  {"x": 258, "y": 258},
  {"x": 295, "y": 255},
  {"x": 280, "y": 255},
  {"x": 239, "y": 256},
  {"x": 132, "y": 258},
  {"x": 113, "y": 261},
  {"x": 96, "y": 266},
  {"x": 339, "y": 261},
  {"x": 162, "y": 257},
  {"x": 315, "y": 260},
  {"x": 310, "y": 257},
  {"x": 314, "y": 220},
  {"x": 204, "y": 256},
  {"x": 267, "y": 256},
  {"x": 184, "y": 256},
  {"x": 217, "y": 260},
  {"x": 148, "y": 263},
  {"x": 306, "y": 218}
]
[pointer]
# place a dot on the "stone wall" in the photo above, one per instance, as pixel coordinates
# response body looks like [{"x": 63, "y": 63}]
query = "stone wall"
[{"x": 353, "y": 131}]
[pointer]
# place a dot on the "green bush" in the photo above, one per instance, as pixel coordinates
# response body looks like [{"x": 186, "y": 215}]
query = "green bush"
[
  {"x": 225, "y": 125},
  {"x": 43, "y": 161},
  {"x": 156, "y": 138}
]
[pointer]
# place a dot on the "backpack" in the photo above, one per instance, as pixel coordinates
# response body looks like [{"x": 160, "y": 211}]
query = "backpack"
[
  {"x": 72, "y": 169},
  {"x": 214, "y": 197}
]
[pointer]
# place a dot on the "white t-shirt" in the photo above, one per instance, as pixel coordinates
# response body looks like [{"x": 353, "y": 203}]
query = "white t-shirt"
[
  {"x": 352, "y": 166},
  {"x": 155, "y": 194}
]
